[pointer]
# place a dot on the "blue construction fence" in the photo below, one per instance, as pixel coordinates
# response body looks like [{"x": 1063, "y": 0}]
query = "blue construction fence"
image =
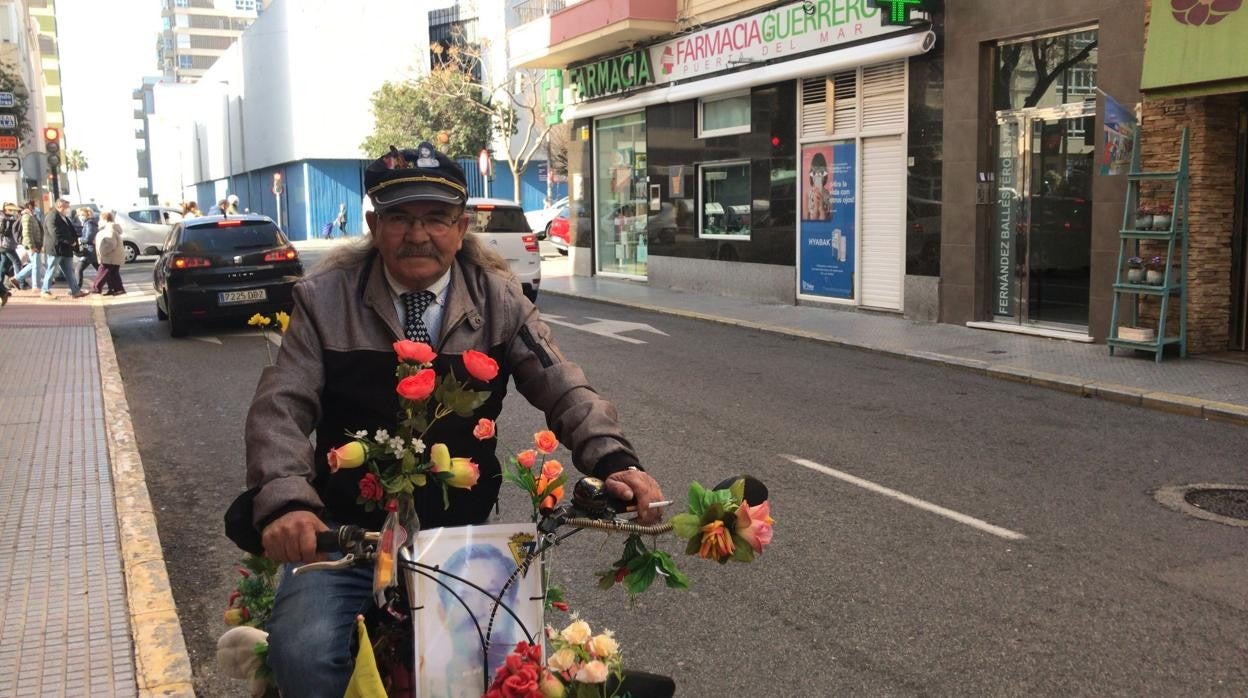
[{"x": 314, "y": 189}]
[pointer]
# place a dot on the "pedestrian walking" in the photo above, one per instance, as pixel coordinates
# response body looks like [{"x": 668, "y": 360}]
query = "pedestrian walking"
[
  {"x": 231, "y": 204},
  {"x": 60, "y": 232},
  {"x": 190, "y": 209},
  {"x": 112, "y": 254},
  {"x": 86, "y": 243},
  {"x": 341, "y": 221},
  {"x": 10, "y": 262},
  {"x": 32, "y": 240}
]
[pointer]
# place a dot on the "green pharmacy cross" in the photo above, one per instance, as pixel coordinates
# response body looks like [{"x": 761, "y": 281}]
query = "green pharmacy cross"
[{"x": 898, "y": 10}]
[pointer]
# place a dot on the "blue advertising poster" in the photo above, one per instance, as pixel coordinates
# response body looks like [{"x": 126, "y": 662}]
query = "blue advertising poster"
[
  {"x": 829, "y": 211},
  {"x": 1120, "y": 132}
]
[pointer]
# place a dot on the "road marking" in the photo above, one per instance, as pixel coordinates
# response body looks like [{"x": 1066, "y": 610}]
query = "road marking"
[
  {"x": 606, "y": 328},
  {"x": 912, "y": 501},
  {"x": 274, "y": 337},
  {"x": 210, "y": 340}
]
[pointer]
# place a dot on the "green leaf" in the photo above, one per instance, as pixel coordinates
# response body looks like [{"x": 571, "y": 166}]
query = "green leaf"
[
  {"x": 697, "y": 499},
  {"x": 695, "y": 543},
  {"x": 606, "y": 579},
  {"x": 674, "y": 577},
  {"x": 741, "y": 551},
  {"x": 685, "y": 525},
  {"x": 446, "y": 499},
  {"x": 639, "y": 580},
  {"x": 738, "y": 490},
  {"x": 590, "y": 690}
]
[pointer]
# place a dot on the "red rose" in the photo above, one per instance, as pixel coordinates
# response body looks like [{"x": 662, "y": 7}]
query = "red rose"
[
  {"x": 370, "y": 488},
  {"x": 419, "y": 352},
  {"x": 522, "y": 684},
  {"x": 417, "y": 387},
  {"x": 480, "y": 366}
]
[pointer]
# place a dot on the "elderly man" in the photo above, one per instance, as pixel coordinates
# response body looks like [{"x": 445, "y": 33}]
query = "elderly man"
[
  {"x": 419, "y": 276},
  {"x": 60, "y": 231}
]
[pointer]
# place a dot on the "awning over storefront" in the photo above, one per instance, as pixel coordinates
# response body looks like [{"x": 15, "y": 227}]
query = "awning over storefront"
[
  {"x": 819, "y": 64},
  {"x": 1196, "y": 47}
]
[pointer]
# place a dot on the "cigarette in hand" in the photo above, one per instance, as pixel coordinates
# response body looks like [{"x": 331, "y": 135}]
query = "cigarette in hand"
[{"x": 653, "y": 505}]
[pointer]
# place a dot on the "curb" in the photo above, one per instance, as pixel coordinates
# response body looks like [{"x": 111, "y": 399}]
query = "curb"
[
  {"x": 162, "y": 666},
  {"x": 1173, "y": 403}
]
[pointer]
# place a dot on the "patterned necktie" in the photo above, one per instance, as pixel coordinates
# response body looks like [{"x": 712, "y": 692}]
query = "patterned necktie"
[{"x": 415, "y": 304}]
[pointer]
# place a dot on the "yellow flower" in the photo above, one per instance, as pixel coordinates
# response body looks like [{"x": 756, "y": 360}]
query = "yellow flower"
[
  {"x": 576, "y": 633},
  {"x": 464, "y": 473},
  {"x": 604, "y": 646},
  {"x": 349, "y": 455},
  {"x": 562, "y": 660},
  {"x": 592, "y": 672},
  {"x": 551, "y": 687},
  {"x": 716, "y": 542},
  {"x": 259, "y": 320},
  {"x": 440, "y": 458},
  {"x": 283, "y": 320}
]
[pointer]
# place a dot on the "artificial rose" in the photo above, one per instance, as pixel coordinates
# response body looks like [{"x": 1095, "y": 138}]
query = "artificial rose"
[
  {"x": 716, "y": 542},
  {"x": 552, "y": 498},
  {"x": 604, "y": 646},
  {"x": 550, "y": 686},
  {"x": 484, "y": 429},
  {"x": 417, "y": 387},
  {"x": 480, "y": 366},
  {"x": 546, "y": 441},
  {"x": 521, "y": 684},
  {"x": 464, "y": 473},
  {"x": 562, "y": 660},
  {"x": 417, "y": 352},
  {"x": 576, "y": 633},
  {"x": 233, "y": 616},
  {"x": 592, "y": 672},
  {"x": 349, "y": 455},
  {"x": 370, "y": 488},
  {"x": 754, "y": 525},
  {"x": 440, "y": 458},
  {"x": 552, "y": 469},
  {"x": 527, "y": 459},
  {"x": 283, "y": 320},
  {"x": 259, "y": 320}
]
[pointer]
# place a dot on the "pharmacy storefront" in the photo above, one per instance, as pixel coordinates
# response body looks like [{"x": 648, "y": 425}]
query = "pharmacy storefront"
[{"x": 765, "y": 157}]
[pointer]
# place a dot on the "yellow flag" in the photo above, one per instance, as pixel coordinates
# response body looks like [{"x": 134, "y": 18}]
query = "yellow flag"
[{"x": 365, "y": 679}]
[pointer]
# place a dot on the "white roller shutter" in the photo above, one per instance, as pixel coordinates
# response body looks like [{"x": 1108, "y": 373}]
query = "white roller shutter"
[{"x": 883, "y": 202}]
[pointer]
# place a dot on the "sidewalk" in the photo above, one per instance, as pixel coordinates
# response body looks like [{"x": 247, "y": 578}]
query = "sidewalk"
[
  {"x": 85, "y": 600},
  {"x": 1200, "y": 387}
]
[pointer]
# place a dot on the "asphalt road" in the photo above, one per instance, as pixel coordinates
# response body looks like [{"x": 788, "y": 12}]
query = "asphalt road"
[{"x": 1105, "y": 593}]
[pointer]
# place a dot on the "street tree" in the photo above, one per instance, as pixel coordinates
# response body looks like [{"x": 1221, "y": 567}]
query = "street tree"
[
  {"x": 11, "y": 81},
  {"x": 512, "y": 101},
  {"x": 408, "y": 112},
  {"x": 76, "y": 162}
]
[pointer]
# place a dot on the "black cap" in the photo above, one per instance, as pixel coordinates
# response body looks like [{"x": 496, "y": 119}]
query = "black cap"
[{"x": 422, "y": 174}]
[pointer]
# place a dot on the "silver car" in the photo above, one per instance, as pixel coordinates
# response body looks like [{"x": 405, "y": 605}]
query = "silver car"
[{"x": 144, "y": 228}]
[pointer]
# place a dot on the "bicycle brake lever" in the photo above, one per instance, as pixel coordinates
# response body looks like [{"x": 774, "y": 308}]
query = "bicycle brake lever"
[{"x": 345, "y": 562}]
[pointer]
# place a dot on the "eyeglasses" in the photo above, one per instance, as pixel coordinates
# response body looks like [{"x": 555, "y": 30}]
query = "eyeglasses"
[{"x": 435, "y": 224}]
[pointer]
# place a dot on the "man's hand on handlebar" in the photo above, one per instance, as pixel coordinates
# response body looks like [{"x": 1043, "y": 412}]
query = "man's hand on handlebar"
[
  {"x": 636, "y": 487},
  {"x": 291, "y": 537}
]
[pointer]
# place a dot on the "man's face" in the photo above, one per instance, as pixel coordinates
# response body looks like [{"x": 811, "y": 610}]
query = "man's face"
[
  {"x": 418, "y": 240},
  {"x": 62, "y": 207}
]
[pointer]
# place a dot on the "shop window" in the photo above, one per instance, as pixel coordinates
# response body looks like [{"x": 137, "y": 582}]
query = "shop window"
[
  {"x": 724, "y": 193},
  {"x": 1045, "y": 71},
  {"x": 724, "y": 115}
]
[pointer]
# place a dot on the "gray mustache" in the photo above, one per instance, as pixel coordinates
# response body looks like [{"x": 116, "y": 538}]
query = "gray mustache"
[{"x": 426, "y": 250}]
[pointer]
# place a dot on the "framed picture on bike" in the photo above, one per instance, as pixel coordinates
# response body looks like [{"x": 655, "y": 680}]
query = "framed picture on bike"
[{"x": 453, "y": 621}]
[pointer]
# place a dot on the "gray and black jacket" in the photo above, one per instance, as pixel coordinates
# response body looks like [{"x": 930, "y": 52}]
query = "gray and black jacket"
[{"x": 335, "y": 375}]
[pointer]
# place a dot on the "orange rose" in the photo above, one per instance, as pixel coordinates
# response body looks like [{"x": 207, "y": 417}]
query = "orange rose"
[
  {"x": 527, "y": 459},
  {"x": 551, "y": 500},
  {"x": 480, "y": 366},
  {"x": 546, "y": 441},
  {"x": 552, "y": 469},
  {"x": 419, "y": 352},
  {"x": 484, "y": 429},
  {"x": 417, "y": 387}
]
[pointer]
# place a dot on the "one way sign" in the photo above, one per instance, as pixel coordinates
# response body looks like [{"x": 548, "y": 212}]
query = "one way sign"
[{"x": 8, "y": 164}]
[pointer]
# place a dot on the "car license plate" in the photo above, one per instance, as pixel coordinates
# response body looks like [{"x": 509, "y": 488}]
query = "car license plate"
[{"x": 232, "y": 297}]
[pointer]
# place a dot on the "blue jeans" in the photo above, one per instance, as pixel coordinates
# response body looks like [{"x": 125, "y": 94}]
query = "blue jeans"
[
  {"x": 66, "y": 265},
  {"x": 38, "y": 261},
  {"x": 312, "y": 628}
]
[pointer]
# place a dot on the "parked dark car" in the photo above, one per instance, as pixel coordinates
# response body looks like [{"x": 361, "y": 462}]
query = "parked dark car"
[{"x": 224, "y": 267}]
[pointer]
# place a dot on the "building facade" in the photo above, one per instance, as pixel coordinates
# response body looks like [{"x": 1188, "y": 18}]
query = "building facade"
[
  {"x": 1195, "y": 77},
  {"x": 22, "y": 75},
  {"x": 786, "y": 152},
  {"x": 195, "y": 33}
]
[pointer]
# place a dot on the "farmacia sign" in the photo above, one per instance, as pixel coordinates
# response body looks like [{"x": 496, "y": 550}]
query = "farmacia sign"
[{"x": 782, "y": 32}]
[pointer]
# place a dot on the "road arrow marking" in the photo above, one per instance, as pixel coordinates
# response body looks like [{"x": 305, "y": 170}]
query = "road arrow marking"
[
  {"x": 912, "y": 501},
  {"x": 274, "y": 337},
  {"x": 606, "y": 328}
]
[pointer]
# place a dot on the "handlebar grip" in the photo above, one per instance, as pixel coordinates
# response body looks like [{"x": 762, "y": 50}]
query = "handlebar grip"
[{"x": 328, "y": 541}]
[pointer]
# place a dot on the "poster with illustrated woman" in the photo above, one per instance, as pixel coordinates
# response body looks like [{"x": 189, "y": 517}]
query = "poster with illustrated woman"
[{"x": 817, "y": 204}]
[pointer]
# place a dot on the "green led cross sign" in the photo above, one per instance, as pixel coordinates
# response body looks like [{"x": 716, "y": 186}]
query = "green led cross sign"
[{"x": 898, "y": 10}]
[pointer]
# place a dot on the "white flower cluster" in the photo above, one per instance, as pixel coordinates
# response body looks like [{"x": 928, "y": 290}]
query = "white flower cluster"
[
  {"x": 418, "y": 446},
  {"x": 396, "y": 445}
]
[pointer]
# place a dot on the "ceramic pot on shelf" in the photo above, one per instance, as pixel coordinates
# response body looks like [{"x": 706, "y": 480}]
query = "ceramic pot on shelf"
[
  {"x": 1161, "y": 221},
  {"x": 1156, "y": 277},
  {"x": 1143, "y": 221},
  {"x": 1135, "y": 276}
]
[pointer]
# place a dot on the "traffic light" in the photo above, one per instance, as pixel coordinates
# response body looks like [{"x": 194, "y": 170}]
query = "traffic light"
[{"x": 52, "y": 146}]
